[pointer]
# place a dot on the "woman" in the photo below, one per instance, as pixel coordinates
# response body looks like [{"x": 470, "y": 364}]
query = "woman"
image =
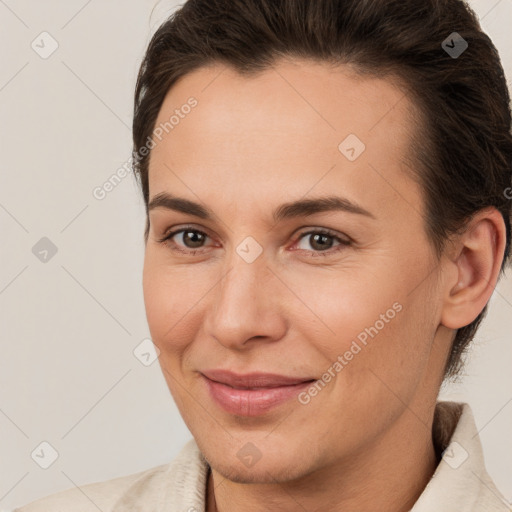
[{"x": 327, "y": 186}]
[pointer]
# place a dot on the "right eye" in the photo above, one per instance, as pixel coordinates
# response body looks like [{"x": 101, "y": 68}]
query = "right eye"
[{"x": 191, "y": 240}]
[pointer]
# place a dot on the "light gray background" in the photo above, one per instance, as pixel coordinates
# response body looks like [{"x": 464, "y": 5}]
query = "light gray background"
[{"x": 68, "y": 375}]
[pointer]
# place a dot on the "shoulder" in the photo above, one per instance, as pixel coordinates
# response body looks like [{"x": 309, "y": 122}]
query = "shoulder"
[
  {"x": 90, "y": 497},
  {"x": 183, "y": 480}
]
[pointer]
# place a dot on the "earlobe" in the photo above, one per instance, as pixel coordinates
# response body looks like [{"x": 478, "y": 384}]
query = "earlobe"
[{"x": 480, "y": 252}]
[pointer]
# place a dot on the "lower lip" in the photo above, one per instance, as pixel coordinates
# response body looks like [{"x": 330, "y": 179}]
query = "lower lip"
[{"x": 252, "y": 402}]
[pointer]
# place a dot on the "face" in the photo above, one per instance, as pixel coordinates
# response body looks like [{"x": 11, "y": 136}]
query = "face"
[{"x": 340, "y": 293}]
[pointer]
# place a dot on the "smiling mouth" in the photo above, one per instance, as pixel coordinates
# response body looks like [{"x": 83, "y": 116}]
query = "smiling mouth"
[{"x": 252, "y": 401}]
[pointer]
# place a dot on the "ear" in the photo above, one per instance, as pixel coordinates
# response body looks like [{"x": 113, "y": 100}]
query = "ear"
[{"x": 474, "y": 268}]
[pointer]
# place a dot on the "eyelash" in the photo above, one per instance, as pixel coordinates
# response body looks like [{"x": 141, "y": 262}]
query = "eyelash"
[{"x": 321, "y": 231}]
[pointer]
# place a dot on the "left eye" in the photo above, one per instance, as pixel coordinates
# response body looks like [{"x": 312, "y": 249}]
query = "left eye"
[{"x": 322, "y": 241}]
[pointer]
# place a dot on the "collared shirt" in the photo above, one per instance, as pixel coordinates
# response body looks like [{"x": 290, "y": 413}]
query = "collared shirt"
[{"x": 460, "y": 482}]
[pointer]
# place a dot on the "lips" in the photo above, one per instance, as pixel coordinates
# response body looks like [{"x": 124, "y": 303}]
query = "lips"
[
  {"x": 252, "y": 394},
  {"x": 254, "y": 380}
]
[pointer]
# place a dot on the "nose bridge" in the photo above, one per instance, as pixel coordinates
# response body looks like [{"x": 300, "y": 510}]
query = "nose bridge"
[
  {"x": 244, "y": 302},
  {"x": 246, "y": 264},
  {"x": 240, "y": 291}
]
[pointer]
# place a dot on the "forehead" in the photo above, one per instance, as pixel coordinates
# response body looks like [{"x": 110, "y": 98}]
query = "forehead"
[{"x": 280, "y": 130}]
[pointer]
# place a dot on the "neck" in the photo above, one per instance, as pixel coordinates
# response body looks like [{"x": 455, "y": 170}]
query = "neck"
[{"x": 388, "y": 476}]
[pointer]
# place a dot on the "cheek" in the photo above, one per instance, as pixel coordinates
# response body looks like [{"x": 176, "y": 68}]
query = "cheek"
[
  {"x": 368, "y": 323},
  {"x": 170, "y": 295},
  {"x": 346, "y": 305}
]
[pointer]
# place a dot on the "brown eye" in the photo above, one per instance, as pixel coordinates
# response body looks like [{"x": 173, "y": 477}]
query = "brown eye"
[
  {"x": 189, "y": 239},
  {"x": 322, "y": 241},
  {"x": 192, "y": 239}
]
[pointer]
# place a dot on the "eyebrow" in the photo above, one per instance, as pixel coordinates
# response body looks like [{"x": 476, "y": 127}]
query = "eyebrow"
[{"x": 299, "y": 208}]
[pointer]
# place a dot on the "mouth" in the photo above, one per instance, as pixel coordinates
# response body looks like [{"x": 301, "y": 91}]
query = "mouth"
[
  {"x": 254, "y": 380},
  {"x": 252, "y": 394},
  {"x": 255, "y": 387}
]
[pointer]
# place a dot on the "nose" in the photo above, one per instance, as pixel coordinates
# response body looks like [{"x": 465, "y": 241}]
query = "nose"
[{"x": 246, "y": 306}]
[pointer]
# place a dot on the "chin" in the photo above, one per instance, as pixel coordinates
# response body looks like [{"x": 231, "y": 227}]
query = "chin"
[
  {"x": 274, "y": 465},
  {"x": 269, "y": 472}
]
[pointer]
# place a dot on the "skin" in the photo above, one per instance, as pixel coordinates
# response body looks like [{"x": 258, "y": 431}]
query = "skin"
[{"x": 252, "y": 143}]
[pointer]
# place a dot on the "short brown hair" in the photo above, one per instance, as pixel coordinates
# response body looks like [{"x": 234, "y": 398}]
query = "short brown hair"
[{"x": 463, "y": 148}]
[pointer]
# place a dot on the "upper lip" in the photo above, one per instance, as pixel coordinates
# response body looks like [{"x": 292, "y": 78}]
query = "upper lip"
[{"x": 253, "y": 380}]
